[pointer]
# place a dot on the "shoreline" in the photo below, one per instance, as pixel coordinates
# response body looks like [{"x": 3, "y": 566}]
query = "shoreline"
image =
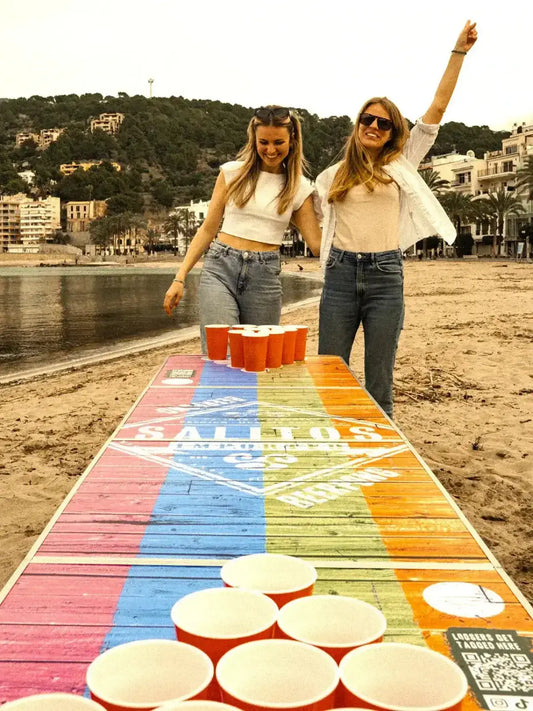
[{"x": 463, "y": 399}]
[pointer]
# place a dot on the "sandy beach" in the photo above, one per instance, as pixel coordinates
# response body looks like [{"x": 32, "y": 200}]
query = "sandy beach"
[{"x": 464, "y": 398}]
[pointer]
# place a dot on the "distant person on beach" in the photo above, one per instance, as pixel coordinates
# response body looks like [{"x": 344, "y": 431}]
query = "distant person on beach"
[
  {"x": 255, "y": 197},
  {"x": 375, "y": 206}
]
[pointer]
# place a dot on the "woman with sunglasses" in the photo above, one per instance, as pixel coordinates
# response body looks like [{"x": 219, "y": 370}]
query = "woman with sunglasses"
[
  {"x": 375, "y": 206},
  {"x": 255, "y": 197}
]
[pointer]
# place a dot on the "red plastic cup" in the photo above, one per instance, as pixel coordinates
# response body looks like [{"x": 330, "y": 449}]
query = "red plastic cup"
[
  {"x": 255, "y": 344},
  {"x": 145, "y": 674},
  {"x": 289, "y": 345},
  {"x": 236, "y": 348},
  {"x": 275, "y": 346},
  {"x": 55, "y": 702},
  {"x": 216, "y": 336},
  {"x": 278, "y": 674},
  {"x": 281, "y": 577},
  {"x": 301, "y": 342},
  {"x": 196, "y": 706},
  {"x": 335, "y": 623},
  {"x": 217, "y": 619},
  {"x": 400, "y": 677}
]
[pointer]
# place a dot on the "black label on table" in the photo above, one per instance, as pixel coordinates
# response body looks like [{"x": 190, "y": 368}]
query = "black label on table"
[{"x": 498, "y": 665}]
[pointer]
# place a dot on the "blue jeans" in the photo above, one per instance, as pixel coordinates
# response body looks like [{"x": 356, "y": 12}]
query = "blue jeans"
[
  {"x": 238, "y": 286},
  {"x": 367, "y": 288}
]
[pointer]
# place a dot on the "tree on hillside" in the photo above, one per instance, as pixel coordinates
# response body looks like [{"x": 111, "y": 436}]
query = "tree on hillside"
[{"x": 501, "y": 205}]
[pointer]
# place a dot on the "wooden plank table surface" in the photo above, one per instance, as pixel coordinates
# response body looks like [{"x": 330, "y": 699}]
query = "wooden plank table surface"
[{"x": 212, "y": 463}]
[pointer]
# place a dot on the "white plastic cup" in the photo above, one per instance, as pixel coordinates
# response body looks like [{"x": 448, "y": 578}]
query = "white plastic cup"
[
  {"x": 400, "y": 677},
  {"x": 145, "y": 674},
  {"x": 55, "y": 702},
  {"x": 278, "y": 674},
  {"x": 217, "y": 619},
  {"x": 335, "y": 623},
  {"x": 282, "y": 577}
]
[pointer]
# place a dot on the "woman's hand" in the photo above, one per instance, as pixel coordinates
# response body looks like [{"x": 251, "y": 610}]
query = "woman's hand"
[
  {"x": 467, "y": 38},
  {"x": 173, "y": 296},
  {"x": 445, "y": 89}
]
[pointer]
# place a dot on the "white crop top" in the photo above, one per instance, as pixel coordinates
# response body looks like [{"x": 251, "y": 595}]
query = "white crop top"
[{"x": 259, "y": 219}]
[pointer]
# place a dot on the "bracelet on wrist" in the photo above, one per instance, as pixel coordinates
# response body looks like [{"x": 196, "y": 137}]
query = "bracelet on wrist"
[
  {"x": 180, "y": 281},
  {"x": 458, "y": 51}
]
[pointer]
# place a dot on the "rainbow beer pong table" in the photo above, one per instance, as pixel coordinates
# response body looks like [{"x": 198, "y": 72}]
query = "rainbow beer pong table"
[{"x": 213, "y": 463}]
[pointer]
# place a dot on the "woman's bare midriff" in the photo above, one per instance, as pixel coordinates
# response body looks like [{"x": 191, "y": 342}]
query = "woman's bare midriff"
[{"x": 241, "y": 243}]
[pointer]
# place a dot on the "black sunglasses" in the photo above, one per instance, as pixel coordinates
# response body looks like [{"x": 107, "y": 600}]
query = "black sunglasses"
[
  {"x": 384, "y": 124},
  {"x": 266, "y": 115}
]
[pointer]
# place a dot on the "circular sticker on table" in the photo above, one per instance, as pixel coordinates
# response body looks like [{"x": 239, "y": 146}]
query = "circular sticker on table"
[
  {"x": 177, "y": 381},
  {"x": 464, "y": 600}
]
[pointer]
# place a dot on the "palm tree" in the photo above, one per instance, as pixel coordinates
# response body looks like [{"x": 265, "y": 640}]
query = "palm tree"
[
  {"x": 152, "y": 236},
  {"x": 433, "y": 180},
  {"x": 188, "y": 224},
  {"x": 437, "y": 185},
  {"x": 101, "y": 231},
  {"x": 172, "y": 225},
  {"x": 181, "y": 222},
  {"x": 120, "y": 224},
  {"x": 501, "y": 205},
  {"x": 458, "y": 207},
  {"x": 525, "y": 176}
]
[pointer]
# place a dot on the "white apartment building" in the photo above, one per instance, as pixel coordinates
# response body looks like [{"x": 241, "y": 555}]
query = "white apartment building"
[
  {"x": 197, "y": 209},
  {"x": 39, "y": 219},
  {"x": 497, "y": 170}
]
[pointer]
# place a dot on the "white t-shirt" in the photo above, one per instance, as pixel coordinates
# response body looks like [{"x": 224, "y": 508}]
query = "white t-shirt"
[{"x": 259, "y": 219}]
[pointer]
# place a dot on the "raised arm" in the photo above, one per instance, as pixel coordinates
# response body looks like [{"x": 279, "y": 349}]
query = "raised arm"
[
  {"x": 200, "y": 242},
  {"x": 464, "y": 44}
]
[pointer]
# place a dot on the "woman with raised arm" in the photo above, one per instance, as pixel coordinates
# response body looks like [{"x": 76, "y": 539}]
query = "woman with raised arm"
[
  {"x": 375, "y": 206},
  {"x": 255, "y": 197}
]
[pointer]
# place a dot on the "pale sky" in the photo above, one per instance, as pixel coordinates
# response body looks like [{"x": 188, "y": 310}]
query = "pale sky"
[{"x": 327, "y": 56}]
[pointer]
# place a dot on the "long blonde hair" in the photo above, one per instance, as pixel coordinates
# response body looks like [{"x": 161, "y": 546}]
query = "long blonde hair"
[
  {"x": 357, "y": 166},
  {"x": 242, "y": 187}
]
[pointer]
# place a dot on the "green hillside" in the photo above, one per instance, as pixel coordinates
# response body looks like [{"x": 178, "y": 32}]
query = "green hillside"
[{"x": 170, "y": 148}]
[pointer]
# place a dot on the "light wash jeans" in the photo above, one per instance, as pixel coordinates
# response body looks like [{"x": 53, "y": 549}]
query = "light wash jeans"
[
  {"x": 367, "y": 288},
  {"x": 239, "y": 286}
]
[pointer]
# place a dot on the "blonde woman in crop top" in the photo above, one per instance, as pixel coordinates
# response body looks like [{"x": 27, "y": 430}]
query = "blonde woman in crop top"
[
  {"x": 255, "y": 198},
  {"x": 376, "y": 205}
]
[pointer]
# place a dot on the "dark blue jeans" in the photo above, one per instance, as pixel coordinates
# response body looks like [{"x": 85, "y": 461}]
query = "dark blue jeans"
[
  {"x": 367, "y": 288},
  {"x": 238, "y": 286}
]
